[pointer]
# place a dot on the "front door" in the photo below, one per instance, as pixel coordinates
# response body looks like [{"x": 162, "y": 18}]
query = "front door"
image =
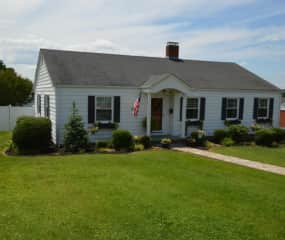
[{"x": 156, "y": 114}]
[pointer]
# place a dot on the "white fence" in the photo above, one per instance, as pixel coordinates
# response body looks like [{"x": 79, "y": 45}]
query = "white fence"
[{"x": 9, "y": 115}]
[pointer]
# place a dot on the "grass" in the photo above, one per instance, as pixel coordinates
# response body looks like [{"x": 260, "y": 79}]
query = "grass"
[
  {"x": 275, "y": 156},
  {"x": 143, "y": 195}
]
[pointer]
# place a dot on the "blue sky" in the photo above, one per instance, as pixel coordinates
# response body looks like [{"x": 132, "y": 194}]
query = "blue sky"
[{"x": 249, "y": 32}]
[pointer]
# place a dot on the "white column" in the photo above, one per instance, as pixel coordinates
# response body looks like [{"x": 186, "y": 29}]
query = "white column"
[
  {"x": 183, "y": 116},
  {"x": 148, "y": 115}
]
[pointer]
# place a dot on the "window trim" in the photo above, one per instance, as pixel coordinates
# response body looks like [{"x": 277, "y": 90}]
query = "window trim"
[
  {"x": 267, "y": 108},
  {"x": 237, "y": 108},
  {"x": 198, "y": 109},
  {"x": 112, "y": 109}
]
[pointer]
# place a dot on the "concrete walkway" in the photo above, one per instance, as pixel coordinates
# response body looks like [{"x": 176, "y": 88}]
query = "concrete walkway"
[{"x": 234, "y": 160}]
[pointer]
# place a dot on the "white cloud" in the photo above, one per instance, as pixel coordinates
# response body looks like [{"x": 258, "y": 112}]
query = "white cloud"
[
  {"x": 13, "y": 8},
  {"x": 130, "y": 27}
]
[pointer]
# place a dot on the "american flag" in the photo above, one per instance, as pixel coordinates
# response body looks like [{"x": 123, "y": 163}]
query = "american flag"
[{"x": 136, "y": 106}]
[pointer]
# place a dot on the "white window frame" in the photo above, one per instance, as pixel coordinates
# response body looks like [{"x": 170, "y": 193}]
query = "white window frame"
[
  {"x": 267, "y": 108},
  {"x": 112, "y": 109},
  {"x": 237, "y": 108},
  {"x": 198, "y": 109}
]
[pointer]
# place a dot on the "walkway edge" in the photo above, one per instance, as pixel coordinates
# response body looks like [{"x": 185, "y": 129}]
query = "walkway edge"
[{"x": 235, "y": 160}]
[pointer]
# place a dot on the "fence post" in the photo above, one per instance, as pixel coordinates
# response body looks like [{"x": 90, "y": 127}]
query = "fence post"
[{"x": 9, "y": 107}]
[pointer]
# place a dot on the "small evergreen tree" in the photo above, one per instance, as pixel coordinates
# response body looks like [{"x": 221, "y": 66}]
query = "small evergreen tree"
[{"x": 75, "y": 136}]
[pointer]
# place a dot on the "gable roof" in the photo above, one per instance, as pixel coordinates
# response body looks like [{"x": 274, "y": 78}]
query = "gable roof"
[{"x": 98, "y": 69}]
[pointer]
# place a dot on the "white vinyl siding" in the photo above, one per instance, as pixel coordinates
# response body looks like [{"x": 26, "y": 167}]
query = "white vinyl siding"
[{"x": 44, "y": 86}]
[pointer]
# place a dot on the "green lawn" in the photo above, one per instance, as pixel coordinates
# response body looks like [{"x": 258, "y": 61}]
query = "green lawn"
[
  {"x": 275, "y": 156},
  {"x": 142, "y": 195}
]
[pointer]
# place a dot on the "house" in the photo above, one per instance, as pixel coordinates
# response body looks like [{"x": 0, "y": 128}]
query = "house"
[{"x": 177, "y": 95}]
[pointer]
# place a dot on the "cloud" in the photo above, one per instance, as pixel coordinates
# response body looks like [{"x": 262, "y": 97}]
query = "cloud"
[
  {"x": 134, "y": 27},
  {"x": 14, "y": 8}
]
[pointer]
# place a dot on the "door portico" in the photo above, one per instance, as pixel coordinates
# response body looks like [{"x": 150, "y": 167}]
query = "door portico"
[{"x": 172, "y": 92}]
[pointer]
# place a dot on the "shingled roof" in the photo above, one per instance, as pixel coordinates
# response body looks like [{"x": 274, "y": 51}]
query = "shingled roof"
[{"x": 98, "y": 69}]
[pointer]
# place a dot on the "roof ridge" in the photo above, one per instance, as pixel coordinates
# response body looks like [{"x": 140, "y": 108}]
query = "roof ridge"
[{"x": 137, "y": 56}]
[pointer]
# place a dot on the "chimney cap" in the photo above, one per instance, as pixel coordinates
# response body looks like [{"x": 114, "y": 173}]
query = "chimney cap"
[{"x": 172, "y": 43}]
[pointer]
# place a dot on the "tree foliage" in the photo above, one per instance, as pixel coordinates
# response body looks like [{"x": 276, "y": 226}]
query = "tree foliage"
[
  {"x": 14, "y": 89},
  {"x": 75, "y": 135}
]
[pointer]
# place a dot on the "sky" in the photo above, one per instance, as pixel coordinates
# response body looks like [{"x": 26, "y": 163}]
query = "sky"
[{"x": 248, "y": 32}]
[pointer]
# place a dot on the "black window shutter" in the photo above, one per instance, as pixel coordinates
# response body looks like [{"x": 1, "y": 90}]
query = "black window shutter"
[
  {"x": 181, "y": 107},
  {"x": 241, "y": 107},
  {"x": 202, "y": 108},
  {"x": 117, "y": 109},
  {"x": 255, "y": 108},
  {"x": 48, "y": 107},
  {"x": 91, "y": 109},
  {"x": 271, "y": 106},
  {"x": 39, "y": 104},
  {"x": 224, "y": 105}
]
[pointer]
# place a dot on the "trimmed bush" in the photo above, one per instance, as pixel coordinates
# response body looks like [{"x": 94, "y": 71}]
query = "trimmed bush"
[
  {"x": 32, "y": 135},
  {"x": 238, "y": 133},
  {"x": 75, "y": 135},
  {"x": 265, "y": 137},
  {"x": 219, "y": 135},
  {"x": 103, "y": 144},
  {"x": 199, "y": 138},
  {"x": 279, "y": 135},
  {"x": 227, "y": 141},
  {"x": 122, "y": 140},
  {"x": 145, "y": 141}
]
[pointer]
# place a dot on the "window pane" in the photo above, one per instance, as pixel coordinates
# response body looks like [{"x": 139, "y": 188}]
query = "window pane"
[
  {"x": 192, "y": 114},
  {"x": 231, "y": 113},
  {"x": 103, "y": 102},
  {"x": 262, "y": 103},
  {"x": 192, "y": 103},
  {"x": 231, "y": 103},
  {"x": 103, "y": 115},
  {"x": 262, "y": 112}
]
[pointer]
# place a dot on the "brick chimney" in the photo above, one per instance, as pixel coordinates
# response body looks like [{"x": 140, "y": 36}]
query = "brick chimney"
[{"x": 172, "y": 50}]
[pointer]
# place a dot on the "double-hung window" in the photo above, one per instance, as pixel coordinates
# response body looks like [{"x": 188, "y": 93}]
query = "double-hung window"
[
  {"x": 104, "y": 109},
  {"x": 192, "y": 109},
  {"x": 263, "y": 108},
  {"x": 232, "y": 109},
  {"x": 46, "y": 106}
]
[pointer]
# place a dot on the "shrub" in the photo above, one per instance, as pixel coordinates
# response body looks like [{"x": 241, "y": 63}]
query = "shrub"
[
  {"x": 145, "y": 141},
  {"x": 265, "y": 137},
  {"x": 75, "y": 136},
  {"x": 199, "y": 137},
  {"x": 138, "y": 147},
  {"x": 32, "y": 135},
  {"x": 227, "y": 141},
  {"x": 219, "y": 135},
  {"x": 191, "y": 142},
  {"x": 122, "y": 139},
  {"x": 103, "y": 144},
  {"x": 166, "y": 142},
  {"x": 238, "y": 133},
  {"x": 279, "y": 134}
]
